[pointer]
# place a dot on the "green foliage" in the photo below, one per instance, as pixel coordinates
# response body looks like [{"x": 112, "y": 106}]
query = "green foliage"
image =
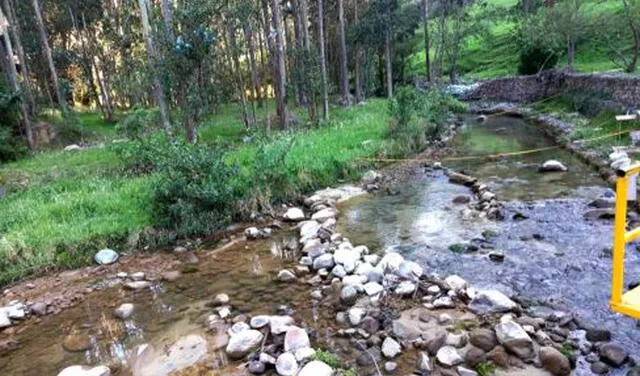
[
  {"x": 538, "y": 48},
  {"x": 485, "y": 368},
  {"x": 12, "y": 146},
  {"x": 418, "y": 118},
  {"x": 348, "y": 372},
  {"x": 586, "y": 102},
  {"x": 69, "y": 130},
  {"x": 139, "y": 123},
  {"x": 328, "y": 357},
  {"x": 195, "y": 191},
  {"x": 567, "y": 350},
  {"x": 457, "y": 248}
]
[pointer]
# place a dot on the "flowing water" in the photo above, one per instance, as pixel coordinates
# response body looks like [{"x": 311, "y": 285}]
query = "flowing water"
[{"x": 553, "y": 255}]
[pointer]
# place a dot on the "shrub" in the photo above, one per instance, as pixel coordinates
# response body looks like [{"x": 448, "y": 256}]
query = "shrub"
[
  {"x": 12, "y": 146},
  {"x": 328, "y": 357},
  {"x": 536, "y": 58},
  {"x": 139, "y": 123},
  {"x": 196, "y": 189},
  {"x": 69, "y": 130},
  {"x": 144, "y": 156}
]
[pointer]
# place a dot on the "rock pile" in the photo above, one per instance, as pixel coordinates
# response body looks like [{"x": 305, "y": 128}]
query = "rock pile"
[{"x": 487, "y": 203}]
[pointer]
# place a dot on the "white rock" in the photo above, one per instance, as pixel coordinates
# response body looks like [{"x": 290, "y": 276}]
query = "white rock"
[
  {"x": 137, "y": 285},
  {"x": 443, "y": 302},
  {"x": 124, "y": 311},
  {"x": 354, "y": 280},
  {"x": 293, "y": 215},
  {"x": 85, "y": 371},
  {"x": 456, "y": 283},
  {"x": 339, "y": 271},
  {"x": 286, "y": 364},
  {"x": 259, "y": 321},
  {"x": 462, "y": 371},
  {"x": 491, "y": 301},
  {"x": 373, "y": 288},
  {"x": 224, "y": 312},
  {"x": 514, "y": 338},
  {"x": 267, "y": 359},
  {"x": 390, "y": 348},
  {"x": 371, "y": 259},
  {"x": 316, "y": 368},
  {"x": 286, "y": 276},
  {"x": 405, "y": 288},
  {"x": 221, "y": 299},
  {"x": 552, "y": 166},
  {"x": 324, "y": 214},
  {"x": 296, "y": 338},
  {"x": 391, "y": 262},
  {"x": 242, "y": 343},
  {"x": 138, "y": 276},
  {"x": 309, "y": 229},
  {"x": 356, "y": 314},
  {"x": 5, "y": 322},
  {"x": 347, "y": 258},
  {"x": 15, "y": 310},
  {"x": 410, "y": 270},
  {"x": 304, "y": 353},
  {"x": 449, "y": 356},
  {"x": 252, "y": 233},
  {"x": 106, "y": 256},
  {"x": 280, "y": 324},
  {"x": 237, "y": 328},
  {"x": 324, "y": 261},
  {"x": 363, "y": 268}
]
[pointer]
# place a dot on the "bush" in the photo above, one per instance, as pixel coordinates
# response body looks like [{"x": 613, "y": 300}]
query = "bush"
[
  {"x": 536, "y": 58},
  {"x": 144, "y": 156},
  {"x": 196, "y": 190},
  {"x": 588, "y": 102},
  {"x": 139, "y": 123},
  {"x": 418, "y": 118},
  {"x": 69, "y": 130}
]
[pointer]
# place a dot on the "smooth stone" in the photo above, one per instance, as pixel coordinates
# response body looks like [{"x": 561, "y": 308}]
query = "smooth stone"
[
  {"x": 613, "y": 354},
  {"x": 137, "y": 285},
  {"x": 390, "y": 348},
  {"x": 304, "y": 353},
  {"x": 316, "y": 368},
  {"x": 405, "y": 288},
  {"x": 221, "y": 299},
  {"x": 280, "y": 324},
  {"x": 106, "y": 256},
  {"x": 242, "y": 343},
  {"x": 515, "y": 338},
  {"x": 491, "y": 301},
  {"x": 258, "y": 322},
  {"x": 293, "y": 215},
  {"x": 424, "y": 363},
  {"x": 410, "y": 270},
  {"x": 286, "y": 276},
  {"x": 456, "y": 283},
  {"x": 38, "y": 309},
  {"x": 85, "y": 371},
  {"x": 373, "y": 288},
  {"x": 338, "y": 271},
  {"x": 553, "y": 166},
  {"x": 349, "y": 294},
  {"x": 256, "y": 367},
  {"x": 390, "y": 262},
  {"x": 287, "y": 365},
  {"x": 124, "y": 311},
  {"x": 390, "y": 367},
  {"x": 296, "y": 338},
  {"x": 76, "y": 343},
  {"x": 138, "y": 276},
  {"x": 484, "y": 339},
  {"x": 554, "y": 361},
  {"x": 324, "y": 261},
  {"x": 449, "y": 356}
]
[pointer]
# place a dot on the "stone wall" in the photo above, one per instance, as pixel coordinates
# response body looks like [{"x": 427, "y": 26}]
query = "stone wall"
[{"x": 625, "y": 90}]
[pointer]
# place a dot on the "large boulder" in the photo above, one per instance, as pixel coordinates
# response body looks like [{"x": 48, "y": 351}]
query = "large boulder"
[
  {"x": 515, "y": 339},
  {"x": 242, "y": 343},
  {"x": 491, "y": 301},
  {"x": 553, "y": 361}
]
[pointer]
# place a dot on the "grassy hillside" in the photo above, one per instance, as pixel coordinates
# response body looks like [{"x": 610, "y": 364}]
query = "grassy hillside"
[
  {"x": 61, "y": 207},
  {"x": 495, "y": 52}
]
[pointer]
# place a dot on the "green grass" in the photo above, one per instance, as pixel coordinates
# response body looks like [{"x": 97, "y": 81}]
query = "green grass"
[
  {"x": 64, "y": 206},
  {"x": 495, "y": 53}
]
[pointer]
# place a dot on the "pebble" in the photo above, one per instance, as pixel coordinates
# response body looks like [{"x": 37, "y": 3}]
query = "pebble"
[
  {"x": 390, "y": 348},
  {"x": 124, "y": 311}
]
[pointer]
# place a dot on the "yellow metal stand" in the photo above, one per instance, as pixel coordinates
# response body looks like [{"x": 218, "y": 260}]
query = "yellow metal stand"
[{"x": 626, "y": 303}]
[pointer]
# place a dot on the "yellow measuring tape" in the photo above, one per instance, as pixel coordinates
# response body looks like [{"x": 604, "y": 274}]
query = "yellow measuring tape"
[{"x": 491, "y": 156}]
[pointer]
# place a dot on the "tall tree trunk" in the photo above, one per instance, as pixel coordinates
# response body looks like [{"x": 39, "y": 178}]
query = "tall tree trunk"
[
  {"x": 255, "y": 78},
  {"x": 158, "y": 88},
  {"x": 268, "y": 63},
  {"x": 47, "y": 52},
  {"x": 307, "y": 87},
  {"x": 281, "y": 73},
  {"x": 387, "y": 59},
  {"x": 12, "y": 75},
  {"x": 167, "y": 15},
  {"x": 14, "y": 30},
  {"x": 323, "y": 61},
  {"x": 358, "y": 57},
  {"x": 344, "y": 72},
  {"x": 237, "y": 69},
  {"x": 571, "y": 51},
  {"x": 297, "y": 63},
  {"x": 427, "y": 42}
]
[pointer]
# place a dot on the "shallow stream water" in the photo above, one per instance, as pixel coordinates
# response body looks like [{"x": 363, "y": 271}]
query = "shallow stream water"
[{"x": 552, "y": 256}]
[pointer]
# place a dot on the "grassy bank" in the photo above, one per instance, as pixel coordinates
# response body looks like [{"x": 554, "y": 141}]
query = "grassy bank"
[
  {"x": 63, "y": 206},
  {"x": 495, "y": 51}
]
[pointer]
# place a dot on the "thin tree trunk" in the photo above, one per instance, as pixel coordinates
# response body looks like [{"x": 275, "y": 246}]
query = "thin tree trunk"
[
  {"x": 571, "y": 51},
  {"x": 167, "y": 15},
  {"x": 387, "y": 59},
  {"x": 12, "y": 74},
  {"x": 158, "y": 89},
  {"x": 358, "y": 62},
  {"x": 280, "y": 87},
  {"x": 255, "y": 79},
  {"x": 344, "y": 72},
  {"x": 231, "y": 37},
  {"x": 427, "y": 42},
  {"x": 268, "y": 63},
  {"x": 323, "y": 61},
  {"x": 14, "y": 30},
  {"x": 47, "y": 51}
]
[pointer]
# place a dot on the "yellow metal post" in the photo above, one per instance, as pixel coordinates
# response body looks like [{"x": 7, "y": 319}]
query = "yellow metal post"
[{"x": 617, "y": 281}]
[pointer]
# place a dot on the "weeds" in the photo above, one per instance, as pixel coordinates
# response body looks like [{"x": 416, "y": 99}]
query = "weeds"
[
  {"x": 485, "y": 368},
  {"x": 328, "y": 357}
]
